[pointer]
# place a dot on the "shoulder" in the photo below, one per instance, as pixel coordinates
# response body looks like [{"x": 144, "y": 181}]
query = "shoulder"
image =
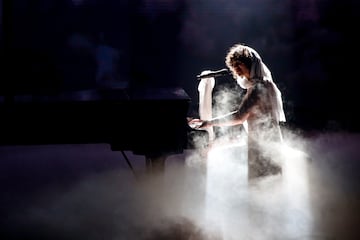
[{"x": 262, "y": 86}]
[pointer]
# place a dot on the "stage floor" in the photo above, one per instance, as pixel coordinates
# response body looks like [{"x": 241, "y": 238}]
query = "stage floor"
[{"x": 89, "y": 192}]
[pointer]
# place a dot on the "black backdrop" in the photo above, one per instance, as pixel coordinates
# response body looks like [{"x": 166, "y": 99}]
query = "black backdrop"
[{"x": 310, "y": 46}]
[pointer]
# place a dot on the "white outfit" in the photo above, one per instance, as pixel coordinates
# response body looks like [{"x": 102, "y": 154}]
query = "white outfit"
[
  {"x": 205, "y": 89},
  {"x": 264, "y": 102}
]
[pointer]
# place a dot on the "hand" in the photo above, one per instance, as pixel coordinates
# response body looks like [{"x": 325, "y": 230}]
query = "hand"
[{"x": 198, "y": 123}]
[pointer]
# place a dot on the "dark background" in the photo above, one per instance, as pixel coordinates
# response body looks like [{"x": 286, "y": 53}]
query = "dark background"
[
  {"x": 310, "y": 46},
  {"x": 89, "y": 192}
]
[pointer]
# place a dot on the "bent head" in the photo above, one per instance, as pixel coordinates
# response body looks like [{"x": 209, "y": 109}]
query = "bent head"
[{"x": 239, "y": 61}]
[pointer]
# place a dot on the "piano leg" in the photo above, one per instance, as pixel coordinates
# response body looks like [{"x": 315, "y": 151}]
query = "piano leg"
[{"x": 155, "y": 164}]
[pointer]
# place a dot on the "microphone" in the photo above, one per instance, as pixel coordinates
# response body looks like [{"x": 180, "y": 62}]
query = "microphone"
[{"x": 218, "y": 73}]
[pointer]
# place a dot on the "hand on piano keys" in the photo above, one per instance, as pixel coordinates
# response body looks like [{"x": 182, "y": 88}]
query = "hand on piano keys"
[{"x": 196, "y": 123}]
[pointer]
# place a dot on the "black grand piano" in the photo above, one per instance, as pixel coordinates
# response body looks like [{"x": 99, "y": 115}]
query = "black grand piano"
[{"x": 149, "y": 122}]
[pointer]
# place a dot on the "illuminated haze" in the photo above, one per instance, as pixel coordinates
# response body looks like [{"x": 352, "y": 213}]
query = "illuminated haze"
[
  {"x": 201, "y": 197},
  {"x": 196, "y": 197}
]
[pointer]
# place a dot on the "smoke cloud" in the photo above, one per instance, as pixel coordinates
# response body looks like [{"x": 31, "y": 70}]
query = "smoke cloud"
[{"x": 204, "y": 196}]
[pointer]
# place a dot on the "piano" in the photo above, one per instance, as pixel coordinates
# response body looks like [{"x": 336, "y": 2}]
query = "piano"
[{"x": 149, "y": 122}]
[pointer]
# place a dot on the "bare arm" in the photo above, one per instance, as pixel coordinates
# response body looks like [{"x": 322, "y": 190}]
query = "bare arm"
[
  {"x": 239, "y": 116},
  {"x": 247, "y": 106},
  {"x": 230, "y": 119}
]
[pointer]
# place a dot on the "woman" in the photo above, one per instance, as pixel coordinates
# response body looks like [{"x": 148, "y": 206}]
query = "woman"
[{"x": 261, "y": 110}]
